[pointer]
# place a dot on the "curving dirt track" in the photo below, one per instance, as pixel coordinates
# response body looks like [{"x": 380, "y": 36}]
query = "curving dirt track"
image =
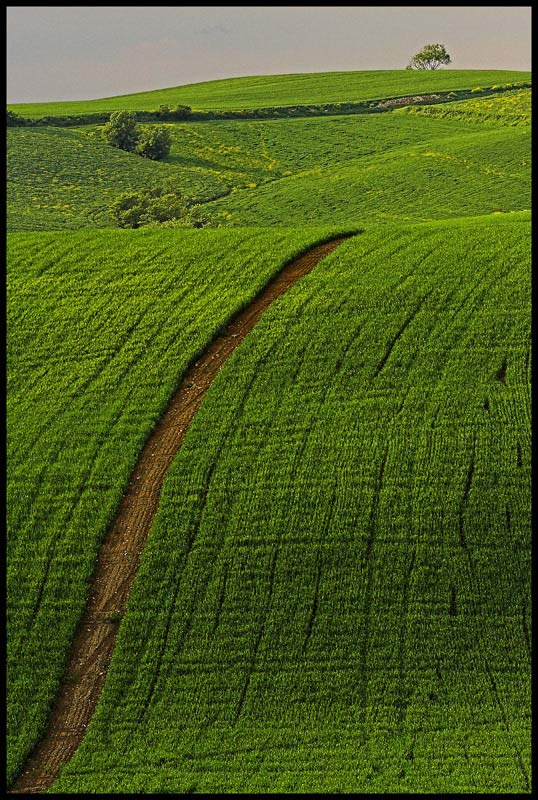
[{"x": 91, "y": 650}]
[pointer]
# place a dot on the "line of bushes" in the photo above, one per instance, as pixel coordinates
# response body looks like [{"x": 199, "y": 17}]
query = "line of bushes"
[{"x": 185, "y": 113}]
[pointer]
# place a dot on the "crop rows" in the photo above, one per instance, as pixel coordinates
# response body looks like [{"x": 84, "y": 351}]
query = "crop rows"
[
  {"x": 101, "y": 326},
  {"x": 335, "y": 593}
]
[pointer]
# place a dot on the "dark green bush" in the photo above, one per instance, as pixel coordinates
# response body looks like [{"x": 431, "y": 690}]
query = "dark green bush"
[
  {"x": 154, "y": 142},
  {"x": 120, "y": 131},
  {"x": 15, "y": 119},
  {"x": 160, "y": 205}
]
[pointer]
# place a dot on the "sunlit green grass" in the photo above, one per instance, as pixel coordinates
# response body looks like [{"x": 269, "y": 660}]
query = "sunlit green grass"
[
  {"x": 467, "y": 173},
  {"x": 297, "y": 171},
  {"x": 284, "y": 90},
  {"x": 58, "y": 179},
  {"x": 101, "y": 326},
  {"x": 335, "y": 593},
  {"x": 334, "y": 597},
  {"x": 508, "y": 108}
]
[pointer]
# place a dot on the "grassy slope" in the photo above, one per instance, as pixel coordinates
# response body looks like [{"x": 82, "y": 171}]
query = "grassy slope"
[
  {"x": 297, "y": 170},
  {"x": 61, "y": 179},
  {"x": 470, "y": 172},
  {"x": 276, "y": 148},
  {"x": 509, "y": 108},
  {"x": 266, "y": 152},
  {"x": 67, "y": 178},
  {"x": 283, "y": 90},
  {"x": 101, "y": 327},
  {"x": 335, "y": 594}
]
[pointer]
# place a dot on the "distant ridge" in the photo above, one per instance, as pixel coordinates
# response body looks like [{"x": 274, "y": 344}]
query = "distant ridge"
[{"x": 282, "y": 90}]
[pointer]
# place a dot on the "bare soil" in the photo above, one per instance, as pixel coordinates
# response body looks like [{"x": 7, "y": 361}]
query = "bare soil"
[{"x": 117, "y": 563}]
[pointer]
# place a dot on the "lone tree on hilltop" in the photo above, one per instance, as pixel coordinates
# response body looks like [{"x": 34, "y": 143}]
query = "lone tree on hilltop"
[
  {"x": 430, "y": 57},
  {"x": 121, "y": 131}
]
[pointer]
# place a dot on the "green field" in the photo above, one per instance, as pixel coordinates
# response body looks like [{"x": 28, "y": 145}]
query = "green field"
[
  {"x": 509, "y": 108},
  {"x": 340, "y": 562},
  {"x": 345, "y": 169},
  {"x": 101, "y": 327},
  {"x": 284, "y": 90},
  {"x": 334, "y": 596},
  {"x": 475, "y": 172},
  {"x": 61, "y": 179}
]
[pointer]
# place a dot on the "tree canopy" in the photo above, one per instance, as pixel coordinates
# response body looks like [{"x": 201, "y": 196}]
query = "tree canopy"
[
  {"x": 151, "y": 141},
  {"x": 163, "y": 205},
  {"x": 121, "y": 131},
  {"x": 432, "y": 56}
]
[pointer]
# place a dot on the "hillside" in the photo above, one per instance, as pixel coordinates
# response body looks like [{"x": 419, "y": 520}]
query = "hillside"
[
  {"x": 284, "y": 90},
  {"x": 511, "y": 108},
  {"x": 471, "y": 172},
  {"x": 102, "y": 326},
  {"x": 59, "y": 179},
  {"x": 343, "y": 169},
  {"x": 335, "y": 593},
  {"x": 340, "y": 560}
]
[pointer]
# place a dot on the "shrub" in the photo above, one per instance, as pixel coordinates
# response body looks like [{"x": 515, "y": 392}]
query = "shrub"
[
  {"x": 121, "y": 131},
  {"x": 128, "y": 209},
  {"x": 197, "y": 217},
  {"x": 181, "y": 112},
  {"x": 161, "y": 205},
  {"x": 15, "y": 119},
  {"x": 154, "y": 142},
  {"x": 149, "y": 142}
]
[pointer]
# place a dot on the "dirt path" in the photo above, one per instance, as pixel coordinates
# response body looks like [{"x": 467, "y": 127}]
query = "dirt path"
[{"x": 119, "y": 556}]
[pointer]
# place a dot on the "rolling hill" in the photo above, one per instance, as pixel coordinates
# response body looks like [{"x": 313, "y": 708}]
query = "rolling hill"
[
  {"x": 340, "y": 562},
  {"x": 284, "y": 90},
  {"x": 285, "y": 171},
  {"x": 335, "y": 593}
]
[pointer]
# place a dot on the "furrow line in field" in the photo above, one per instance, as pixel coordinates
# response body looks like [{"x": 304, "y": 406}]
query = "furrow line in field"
[
  {"x": 80, "y": 389},
  {"x": 200, "y": 513},
  {"x": 319, "y": 566},
  {"x": 72, "y": 511},
  {"x": 259, "y": 637},
  {"x": 399, "y": 333},
  {"x": 369, "y": 569}
]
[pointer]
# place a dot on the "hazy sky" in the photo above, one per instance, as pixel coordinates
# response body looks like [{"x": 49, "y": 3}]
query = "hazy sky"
[{"x": 72, "y": 53}]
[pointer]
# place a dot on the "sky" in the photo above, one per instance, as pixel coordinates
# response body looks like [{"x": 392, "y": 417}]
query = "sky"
[{"x": 82, "y": 53}]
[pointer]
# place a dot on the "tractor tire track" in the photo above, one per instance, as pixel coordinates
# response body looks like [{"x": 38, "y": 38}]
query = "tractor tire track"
[{"x": 119, "y": 556}]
